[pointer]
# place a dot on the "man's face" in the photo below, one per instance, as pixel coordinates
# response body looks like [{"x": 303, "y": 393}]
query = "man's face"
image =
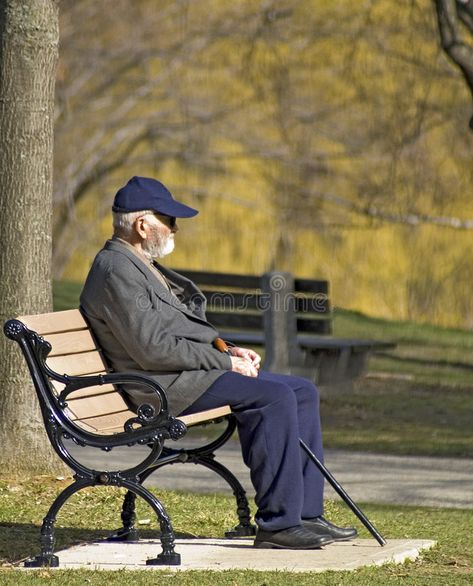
[{"x": 160, "y": 235}]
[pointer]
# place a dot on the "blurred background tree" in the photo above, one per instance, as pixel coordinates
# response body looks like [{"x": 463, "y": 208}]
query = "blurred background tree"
[
  {"x": 455, "y": 22},
  {"x": 338, "y": 134}
]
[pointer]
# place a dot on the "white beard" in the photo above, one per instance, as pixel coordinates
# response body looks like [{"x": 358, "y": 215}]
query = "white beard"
[
  {"x": 158, "y": 248},
  {"x": 167, "y": 247}
]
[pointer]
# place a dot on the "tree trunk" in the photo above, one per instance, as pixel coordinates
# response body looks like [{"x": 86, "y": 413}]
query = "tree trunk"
[{"x": 29, "y": 39}]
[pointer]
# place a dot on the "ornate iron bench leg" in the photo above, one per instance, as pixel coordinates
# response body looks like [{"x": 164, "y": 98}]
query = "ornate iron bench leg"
[
  {"x": 244, "y": 528},
  {"x": 127, "y": 532},
  {"x": 46, "y": 557},
  {"x": 205, "y": 456},
  {"x": 168, "y": 557}
]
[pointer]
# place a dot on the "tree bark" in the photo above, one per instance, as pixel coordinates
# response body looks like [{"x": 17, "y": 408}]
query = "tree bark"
[{"x": 29, "y": 38}]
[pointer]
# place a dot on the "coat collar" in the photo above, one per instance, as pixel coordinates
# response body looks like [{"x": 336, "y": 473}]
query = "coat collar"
[{"x": 184, "y": 289}]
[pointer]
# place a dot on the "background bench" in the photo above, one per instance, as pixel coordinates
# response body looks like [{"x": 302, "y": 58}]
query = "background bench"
[{"x": 291, "y": 318}]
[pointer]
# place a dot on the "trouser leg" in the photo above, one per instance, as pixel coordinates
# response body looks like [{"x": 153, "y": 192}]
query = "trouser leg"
[
  {"x": 309, "y": 430},
  {"x": 272, "y": 411}
]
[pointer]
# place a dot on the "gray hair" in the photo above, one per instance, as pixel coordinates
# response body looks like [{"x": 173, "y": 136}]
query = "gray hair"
[{"x": 123, "y": 222}]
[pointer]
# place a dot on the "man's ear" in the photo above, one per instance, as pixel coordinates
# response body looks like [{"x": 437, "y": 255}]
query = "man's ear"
[{"x": 140, "y": 227}]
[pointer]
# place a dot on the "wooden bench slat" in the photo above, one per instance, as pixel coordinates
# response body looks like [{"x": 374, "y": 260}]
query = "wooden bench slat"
[
  {"x": 87, "y": 392},
  {"x": 232, "y": 301},
  {"x": 113, "y": 423},
  {"x": 317, "y": 304},
  {"x": 109, "y": 423},
  {"x": 235, "y": 320},
  {"x": 317, "y": 326},
  {"x": 58, "y": 321},
  {"x": 101, "y": 419},
  {"x": 71, "y": 342},
  {"x": 94, "y": 391},
  {"x": 89, "y": 428},
  {"x": 311, "y": 286},
  {"x": 204, "y": 416},
  {"x": 96, "y": 405},
  {"x": 78, "y": 364},
  {"x": 223, "y": 279}
]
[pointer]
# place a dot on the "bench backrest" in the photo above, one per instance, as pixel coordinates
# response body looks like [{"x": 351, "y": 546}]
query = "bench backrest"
[
  {"x": 237, "y": 301},
  {"x": 98, "y": 409},
  {"x": 270, "y": 311}
]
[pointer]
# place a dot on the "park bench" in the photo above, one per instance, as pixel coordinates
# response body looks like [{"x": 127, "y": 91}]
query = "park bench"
[
  {"x": 85, "y": 406},
  {"x": 291, "y": 318}
]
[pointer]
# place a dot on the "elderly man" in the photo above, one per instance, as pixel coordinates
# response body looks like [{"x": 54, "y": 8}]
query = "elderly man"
[{"x": 149, "y": 318}]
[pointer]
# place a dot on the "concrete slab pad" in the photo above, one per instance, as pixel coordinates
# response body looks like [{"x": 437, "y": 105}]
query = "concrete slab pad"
[{"x": 224, "y": 554}]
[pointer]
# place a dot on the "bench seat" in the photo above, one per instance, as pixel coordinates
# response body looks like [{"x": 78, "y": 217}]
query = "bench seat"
[{"x": 311, "y": 342}]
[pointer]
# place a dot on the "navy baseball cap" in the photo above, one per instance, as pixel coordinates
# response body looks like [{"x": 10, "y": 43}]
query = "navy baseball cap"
[{"x": 143, "y": 193}]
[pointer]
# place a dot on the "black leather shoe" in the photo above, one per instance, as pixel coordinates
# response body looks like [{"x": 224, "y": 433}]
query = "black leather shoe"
[
  {"x": 298, "y": 537},
  {"x": 320, "y": 526}
]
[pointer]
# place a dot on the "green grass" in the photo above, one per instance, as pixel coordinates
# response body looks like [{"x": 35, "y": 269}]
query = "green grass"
[
  {"x": 400, "y": 417},
  {"x": 354, "y": 323},
  {"x": 23, "y": 504},
  {"x": 66, "y": 295},
  {"x": 426, "y": 353},
  {"x": 418, "y": 398}
]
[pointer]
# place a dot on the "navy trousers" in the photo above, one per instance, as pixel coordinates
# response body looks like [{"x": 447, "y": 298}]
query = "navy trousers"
[{"x": 272, "y": 412}]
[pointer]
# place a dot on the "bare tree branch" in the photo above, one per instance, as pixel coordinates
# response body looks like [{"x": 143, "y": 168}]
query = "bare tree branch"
[
  {"x": 408, "y": 218},
  {"x": 450, "y": 14}
]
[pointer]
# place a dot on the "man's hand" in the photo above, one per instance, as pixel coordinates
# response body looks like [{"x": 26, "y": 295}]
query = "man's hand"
[
  {"x": 247, "y": 354},
  {"x": 243, "y": 366}
]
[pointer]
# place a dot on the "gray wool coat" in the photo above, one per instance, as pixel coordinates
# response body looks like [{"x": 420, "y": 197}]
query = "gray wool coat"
[{"x": 142, "y": 326}]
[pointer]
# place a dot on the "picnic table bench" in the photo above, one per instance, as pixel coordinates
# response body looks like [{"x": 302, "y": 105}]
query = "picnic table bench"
[{"x": 291, "y": 318}]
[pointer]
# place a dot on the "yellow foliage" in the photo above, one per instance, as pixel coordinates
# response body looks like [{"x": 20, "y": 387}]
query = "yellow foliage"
[{"x": 275, "y": 118}]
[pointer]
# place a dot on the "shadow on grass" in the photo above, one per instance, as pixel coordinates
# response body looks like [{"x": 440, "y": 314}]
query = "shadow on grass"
[{"x": 21, "y": 541}]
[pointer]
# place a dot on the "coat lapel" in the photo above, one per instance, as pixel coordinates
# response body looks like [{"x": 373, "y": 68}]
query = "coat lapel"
[
  {"x": 186, "y": 290},
  {"x": 184, "y": 287}
]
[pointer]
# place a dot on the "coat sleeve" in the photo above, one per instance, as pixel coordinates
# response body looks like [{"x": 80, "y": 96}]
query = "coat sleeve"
[{"x": 155, "y": 336}]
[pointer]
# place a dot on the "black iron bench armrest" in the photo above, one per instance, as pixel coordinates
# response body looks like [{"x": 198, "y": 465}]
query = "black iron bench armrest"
[{"x": 150, "y": 422}]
